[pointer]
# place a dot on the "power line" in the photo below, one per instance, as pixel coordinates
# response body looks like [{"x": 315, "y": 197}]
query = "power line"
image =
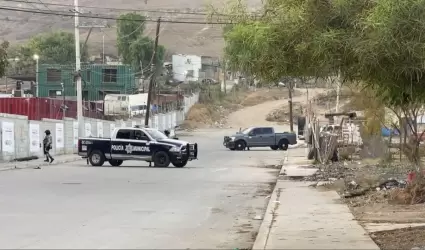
[
  {"x": 121, "y": 9},
  {"x": 57, "y": 13}
]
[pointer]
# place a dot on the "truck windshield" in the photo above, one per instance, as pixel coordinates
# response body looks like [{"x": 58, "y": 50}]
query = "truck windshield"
[
  {"x": 246, "y": 130},
  {"x": 156, "y": 134}
]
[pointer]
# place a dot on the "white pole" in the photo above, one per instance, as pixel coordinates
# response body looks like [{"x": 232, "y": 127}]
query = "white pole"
[
  {"x": 80, "y": 117},
  {"x": 103, "y": 49}
]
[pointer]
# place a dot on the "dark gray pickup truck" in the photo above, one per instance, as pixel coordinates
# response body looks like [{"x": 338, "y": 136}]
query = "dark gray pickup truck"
[{"x": 260, "y": 137}]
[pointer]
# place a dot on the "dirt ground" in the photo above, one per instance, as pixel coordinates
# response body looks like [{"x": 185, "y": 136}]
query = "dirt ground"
[
  {"x": 406, "y": 238},
  {"x": 372, "y": 191},
  {"x": 237, "y": 109},
  {"x": 257, "y": 115}
]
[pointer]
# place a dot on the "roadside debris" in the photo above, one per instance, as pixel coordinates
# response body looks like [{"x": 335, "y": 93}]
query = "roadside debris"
[{"x": 353, "y": 179}]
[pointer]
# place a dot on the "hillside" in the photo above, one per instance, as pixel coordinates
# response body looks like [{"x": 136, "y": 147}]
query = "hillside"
[{"x": 177, "y": 38}]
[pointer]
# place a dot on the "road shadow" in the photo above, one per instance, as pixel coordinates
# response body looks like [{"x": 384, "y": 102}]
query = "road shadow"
[{"x": 130, "y": 167}]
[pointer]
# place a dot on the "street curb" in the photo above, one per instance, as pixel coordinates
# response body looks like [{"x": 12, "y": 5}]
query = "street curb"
[
  {"x": 260, "y": 242},
  {"x": 41, "y": 164}
]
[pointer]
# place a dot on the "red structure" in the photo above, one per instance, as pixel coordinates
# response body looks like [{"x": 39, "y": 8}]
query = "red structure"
[
  {"x": 39, "y": 108},
  {"x": 49, "y": 108}
]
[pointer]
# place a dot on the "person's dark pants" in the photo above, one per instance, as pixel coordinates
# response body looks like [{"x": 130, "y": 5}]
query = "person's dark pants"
[{"x": 48, "y": 156}]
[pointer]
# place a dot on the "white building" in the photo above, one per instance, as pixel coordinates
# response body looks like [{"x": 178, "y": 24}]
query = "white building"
[{"x": 186, "y": 67}]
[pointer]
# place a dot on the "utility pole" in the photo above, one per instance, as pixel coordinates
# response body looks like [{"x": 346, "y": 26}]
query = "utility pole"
[
  {"x": 291, "y": 118},
  {"x": 80, "y": 117},
  {"x": 148, "y": 106},
  {"x": 224, "y": 77}
]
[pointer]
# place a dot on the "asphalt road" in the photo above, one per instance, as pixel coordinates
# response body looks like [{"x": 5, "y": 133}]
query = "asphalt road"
[{"x": 211, "y": 203}]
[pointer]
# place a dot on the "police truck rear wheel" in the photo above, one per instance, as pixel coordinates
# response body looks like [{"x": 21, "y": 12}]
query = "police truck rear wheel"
[
  {"x": 161, "y": 159},
  {"x": 116, "y": 163},
  {"x": 97, "y": 158}
]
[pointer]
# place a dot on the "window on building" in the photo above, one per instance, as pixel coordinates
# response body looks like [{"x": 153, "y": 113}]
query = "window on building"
[
  {"x": 85, "y": 95},
  {"x": 88, "y": 76},
  {"x": 109, "y": 75},
  {"x": 189, "y": 73},
  {"x": 54, "y": 75},
  {"x": 54, "y": 93}
]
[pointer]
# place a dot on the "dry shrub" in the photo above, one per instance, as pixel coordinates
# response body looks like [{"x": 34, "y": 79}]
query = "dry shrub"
[
  {"x": 282, "y": 113},
  {"x": 265, "y": 95},
  {"x": 200, "y": 114},
  {"x": 414, "y": 193},
  {"x": 345, "y": 94}
]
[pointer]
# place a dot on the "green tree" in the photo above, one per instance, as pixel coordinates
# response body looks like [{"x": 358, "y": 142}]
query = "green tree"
[
  {"x": 134, "y": 47},
  {"x": 52, "y": 48},
  {"x": 377, "y": 44},
  {"x": 56, "y": 47},
  {"x": 3, "y": 58}
]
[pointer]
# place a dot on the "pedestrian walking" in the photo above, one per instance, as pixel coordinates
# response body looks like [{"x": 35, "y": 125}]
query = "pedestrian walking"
[{"x": 47, "y": 145}]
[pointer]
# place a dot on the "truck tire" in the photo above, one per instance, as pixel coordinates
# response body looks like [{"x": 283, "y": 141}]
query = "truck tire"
[
  {"x": 179, "y": 164},
  {"x": 161, "y": 159},
  {"x": 116, "y": 163},
  {"x": 96, "y": 158},
  {"x": 240, "y": 145},
  {"x": 283, "y": 144},
  {"x": 274, "y": 147}
]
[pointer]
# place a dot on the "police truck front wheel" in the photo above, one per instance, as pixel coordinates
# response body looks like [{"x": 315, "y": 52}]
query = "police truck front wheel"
[
  {"x": 161, "y": 159},
  {"x": 116, "y": 163},
  {"x": 96, "y": 158},
  {"x": 179, "y": 164}
]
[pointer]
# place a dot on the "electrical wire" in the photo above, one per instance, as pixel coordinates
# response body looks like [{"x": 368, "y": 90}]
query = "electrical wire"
[
  {"x": 57, "y": 13},
  {"x": 123, "y": 9}
]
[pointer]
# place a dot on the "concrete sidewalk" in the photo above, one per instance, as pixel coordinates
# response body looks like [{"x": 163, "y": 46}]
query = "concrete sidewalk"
[
  {"x": 59, "y": 159},
  {"x": 301, "y": 217}
]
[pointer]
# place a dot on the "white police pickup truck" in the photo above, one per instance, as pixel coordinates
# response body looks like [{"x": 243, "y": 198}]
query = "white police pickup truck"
[{"x": 140, "y": 144}]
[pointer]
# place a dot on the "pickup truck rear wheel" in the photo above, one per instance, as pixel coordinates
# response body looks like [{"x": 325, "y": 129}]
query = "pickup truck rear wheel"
[
  {"x": 116, "y": 163},
  {"x": 161, "y": 159},
  {"x": 96, "y": 158},
  {"x": 240, "y": 145},
  {"x": 283, "y": 144},
  {"x": 274, "y": 147}
]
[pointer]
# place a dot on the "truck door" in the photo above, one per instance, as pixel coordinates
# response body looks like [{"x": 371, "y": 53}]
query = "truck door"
[
  {"x": 255, "y": 137},
  {"x": 140, "y": 148},
  {"x": 268, "y": 137},
  {"x": 130, "y": 144},
  {"x": 118, "y": 145}
]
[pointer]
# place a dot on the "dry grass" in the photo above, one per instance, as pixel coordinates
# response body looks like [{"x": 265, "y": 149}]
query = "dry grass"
[
  {"x": 282, "y": 113},
  {"x": 414, "y": 193}
]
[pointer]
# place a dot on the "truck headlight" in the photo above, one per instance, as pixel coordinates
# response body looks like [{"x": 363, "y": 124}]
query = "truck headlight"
[
  {"x": 232, "y": 138},
  {"x": 175, "y": 149}
]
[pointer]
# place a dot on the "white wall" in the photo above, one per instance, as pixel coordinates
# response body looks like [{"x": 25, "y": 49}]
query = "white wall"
[
  {"x": 183, "y": 63},
  {"x": 18, "y": 139}
]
